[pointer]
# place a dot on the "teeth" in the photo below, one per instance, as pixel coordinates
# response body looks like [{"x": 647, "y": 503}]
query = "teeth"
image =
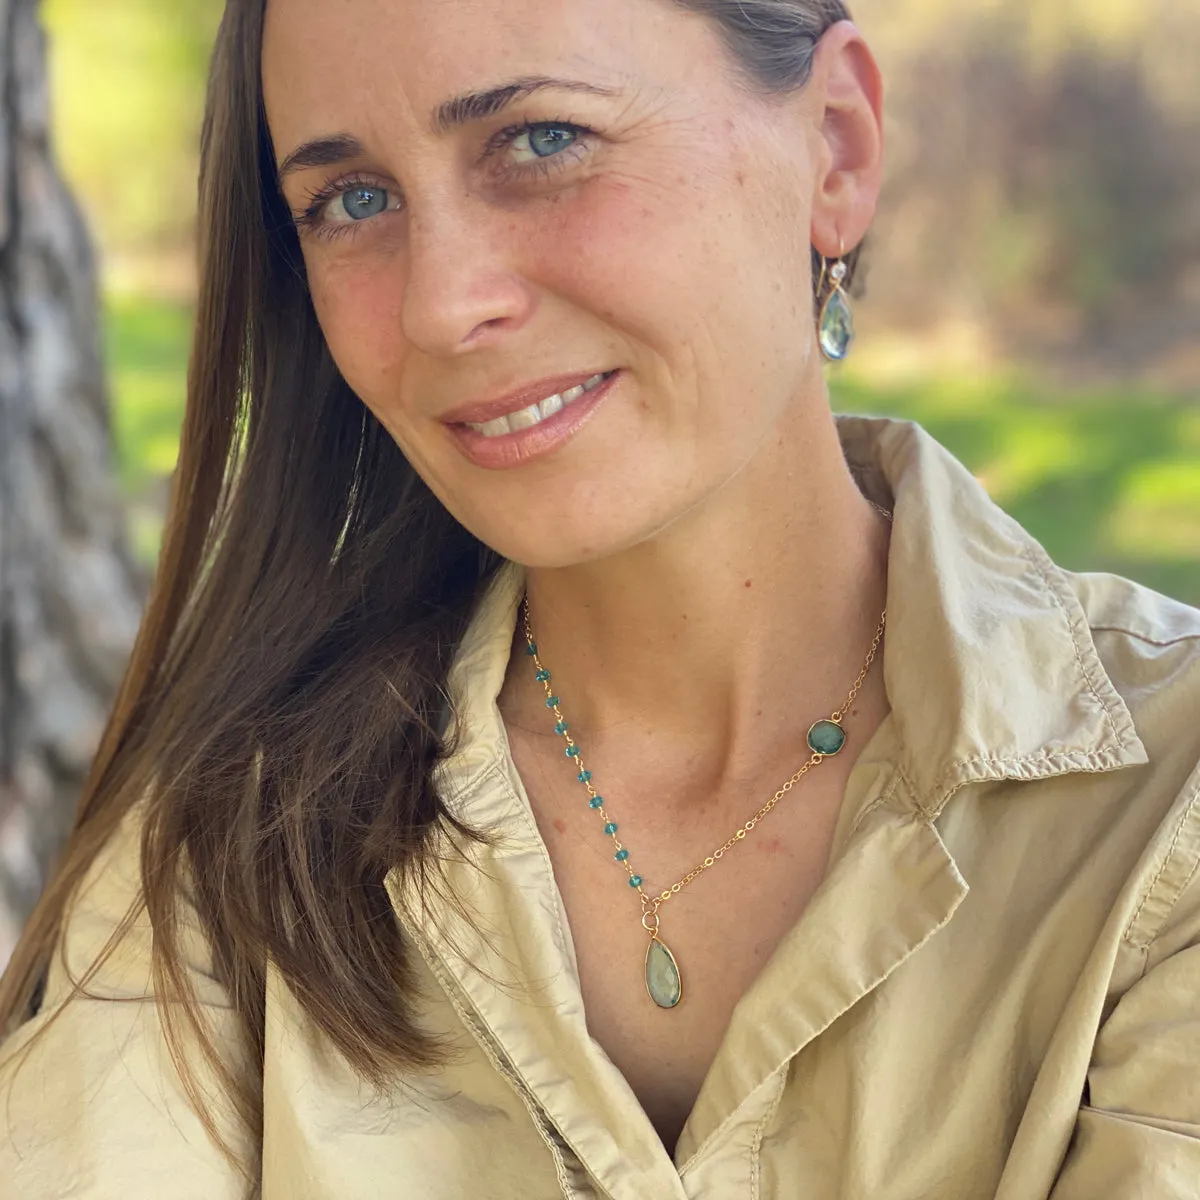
[
  {"x": 528, "y": 417},
  {"x": 494, "y": 428}
]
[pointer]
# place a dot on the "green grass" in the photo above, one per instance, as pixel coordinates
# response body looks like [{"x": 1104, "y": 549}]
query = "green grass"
[
  {"x": 1107, "y": 480},
  {"x": 147, "y": 345}
]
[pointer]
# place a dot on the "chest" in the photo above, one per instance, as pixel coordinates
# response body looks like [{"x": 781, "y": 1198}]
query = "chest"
[
  {"x": 938, "y": 1041},
  {"x": 721, "y": 928}
]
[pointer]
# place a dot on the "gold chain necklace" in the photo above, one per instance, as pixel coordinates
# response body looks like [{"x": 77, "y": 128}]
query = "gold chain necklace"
[{"x": 826, "y": 737}]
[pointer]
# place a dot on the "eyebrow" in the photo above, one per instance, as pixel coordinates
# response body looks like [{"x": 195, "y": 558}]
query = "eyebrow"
[
  {"x": 476, "y": 106},
  {"x": 461, "y": 110},
  {"x": 322, "y": 152}
]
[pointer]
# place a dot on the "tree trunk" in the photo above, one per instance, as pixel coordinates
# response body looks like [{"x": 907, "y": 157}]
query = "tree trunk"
[{"x": 70, "y": 593}]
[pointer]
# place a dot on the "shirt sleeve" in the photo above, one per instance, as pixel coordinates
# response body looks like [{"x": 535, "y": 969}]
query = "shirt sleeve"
[
  {"x": 1138, "y": 1138},
  {"x": 91, "y": 1105}
]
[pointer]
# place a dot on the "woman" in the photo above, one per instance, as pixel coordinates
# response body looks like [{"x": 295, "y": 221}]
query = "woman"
[{"x": 785, "y": 823}]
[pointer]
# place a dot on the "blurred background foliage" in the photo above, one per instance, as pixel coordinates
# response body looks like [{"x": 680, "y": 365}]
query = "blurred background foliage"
[{"x": 1033, "y": 293}]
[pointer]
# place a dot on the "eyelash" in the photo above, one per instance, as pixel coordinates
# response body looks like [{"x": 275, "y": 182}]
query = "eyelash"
[{"x": 308, "y": 219}]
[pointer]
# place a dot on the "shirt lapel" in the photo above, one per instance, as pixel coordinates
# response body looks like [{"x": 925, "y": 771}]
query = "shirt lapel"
[{"x": 496, "y": 927}]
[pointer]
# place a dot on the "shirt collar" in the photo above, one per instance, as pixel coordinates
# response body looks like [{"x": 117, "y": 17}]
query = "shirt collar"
[{"x": 989, "y": 665}]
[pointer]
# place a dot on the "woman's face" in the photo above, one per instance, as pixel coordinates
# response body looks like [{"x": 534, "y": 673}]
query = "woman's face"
[{"x": 645, "y": 216}]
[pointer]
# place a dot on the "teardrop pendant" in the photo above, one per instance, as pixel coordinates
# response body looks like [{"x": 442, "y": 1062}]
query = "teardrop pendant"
[
  {"x": 663, "y": 980},
  {"x": 836, "y": 326}
]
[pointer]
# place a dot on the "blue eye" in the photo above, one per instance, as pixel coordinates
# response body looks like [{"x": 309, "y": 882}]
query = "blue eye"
[
  {"x": 364, "y": 202},
  {"x": 533, "y": 143},
  {"x": 545, "y": 140}
]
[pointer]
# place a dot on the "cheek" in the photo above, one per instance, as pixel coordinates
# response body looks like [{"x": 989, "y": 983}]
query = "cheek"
[
  {"x": 621, "y": 264},
  {"x": 359, "y": 302},
  {"x": 712, "y": 275}
]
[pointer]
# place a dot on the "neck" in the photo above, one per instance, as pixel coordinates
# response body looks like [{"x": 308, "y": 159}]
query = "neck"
[{"x": 719, "y": 631}]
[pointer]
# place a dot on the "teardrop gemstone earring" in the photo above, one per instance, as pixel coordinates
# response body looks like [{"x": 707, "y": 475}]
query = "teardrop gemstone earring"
[{"x": 835, "y": 324}]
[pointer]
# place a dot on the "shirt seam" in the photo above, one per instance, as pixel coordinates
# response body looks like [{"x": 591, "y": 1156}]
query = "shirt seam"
[
  {"x": 1145, "y": 637},
  {"x": 446, "y": 768},
  {"x": 1144, "y": 940},
  {"x": 505, "y": 1068},
  {"x": 945, "y": 782},
  {"x": 884, "y": 798},
  {"x": 730, "y": 1119},
  {"x": 1043, "y": 756},
  {"x": 760, "y": 1131},
  {"x": 1030, "y": 552}
]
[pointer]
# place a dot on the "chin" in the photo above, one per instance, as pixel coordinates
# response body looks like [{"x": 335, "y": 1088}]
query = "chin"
[{"x": 556, "y": 545}]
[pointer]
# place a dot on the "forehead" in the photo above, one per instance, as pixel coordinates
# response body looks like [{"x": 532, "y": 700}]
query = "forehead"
[{"x": 328, "y": 63}]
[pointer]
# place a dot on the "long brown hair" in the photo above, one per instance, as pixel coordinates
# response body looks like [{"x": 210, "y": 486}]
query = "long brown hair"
[{"x": 284, "y": 706}]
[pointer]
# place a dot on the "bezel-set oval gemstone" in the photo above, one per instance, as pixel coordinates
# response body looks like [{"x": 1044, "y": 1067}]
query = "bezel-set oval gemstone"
[{"x": 826, "y": 738}]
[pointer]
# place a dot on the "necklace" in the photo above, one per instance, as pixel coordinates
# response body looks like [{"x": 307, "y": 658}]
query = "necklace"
[{"x": 826, "y": 737}]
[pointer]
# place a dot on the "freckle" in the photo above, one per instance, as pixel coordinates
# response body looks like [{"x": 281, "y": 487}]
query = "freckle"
[{"x": 560, "y": 825}]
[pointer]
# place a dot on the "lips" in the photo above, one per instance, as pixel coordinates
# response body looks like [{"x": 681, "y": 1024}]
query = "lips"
[
  {"x": 511, "y": 441},
  {"x": 535, "y": 414},
  {"x": 547, "y": 391}
]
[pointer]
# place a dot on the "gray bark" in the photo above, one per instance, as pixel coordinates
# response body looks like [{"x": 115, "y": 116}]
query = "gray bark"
[{"x": 70, "y": 593}]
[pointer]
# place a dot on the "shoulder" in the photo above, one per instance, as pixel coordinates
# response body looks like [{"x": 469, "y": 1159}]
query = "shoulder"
[
  {"x": 1149, "y": 645},
  {"x": 107, "y": 937}
]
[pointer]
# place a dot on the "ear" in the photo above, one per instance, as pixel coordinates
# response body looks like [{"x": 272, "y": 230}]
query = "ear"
[{"x": 848, "y": 99}]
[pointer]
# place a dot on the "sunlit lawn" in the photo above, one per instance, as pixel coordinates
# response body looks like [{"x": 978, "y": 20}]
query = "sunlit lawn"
[{"x": 1106, "y": 480}]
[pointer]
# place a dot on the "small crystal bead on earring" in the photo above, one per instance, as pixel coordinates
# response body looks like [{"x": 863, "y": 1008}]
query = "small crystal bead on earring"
[{"x": 835, "y": 322}]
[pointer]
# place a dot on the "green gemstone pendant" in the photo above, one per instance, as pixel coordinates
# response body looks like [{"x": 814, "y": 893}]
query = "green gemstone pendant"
[
  {"x": 826, "y": 738},
  {"x": 836, "y": 328},
  {"x": 663, "y": 981}
]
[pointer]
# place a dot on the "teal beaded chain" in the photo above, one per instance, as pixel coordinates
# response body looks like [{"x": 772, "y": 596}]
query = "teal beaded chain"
[{"x": 826, "y": 738}]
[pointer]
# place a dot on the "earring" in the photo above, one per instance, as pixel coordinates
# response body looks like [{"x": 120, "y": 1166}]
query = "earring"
[{"x": 835, "y": 324}]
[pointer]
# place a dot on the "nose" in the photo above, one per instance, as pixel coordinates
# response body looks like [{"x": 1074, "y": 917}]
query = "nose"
[{"x": 463, "y": 288}]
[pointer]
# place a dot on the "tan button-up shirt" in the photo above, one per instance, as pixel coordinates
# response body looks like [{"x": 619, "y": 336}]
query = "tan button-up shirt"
[{"x": 994, "y": 993}]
